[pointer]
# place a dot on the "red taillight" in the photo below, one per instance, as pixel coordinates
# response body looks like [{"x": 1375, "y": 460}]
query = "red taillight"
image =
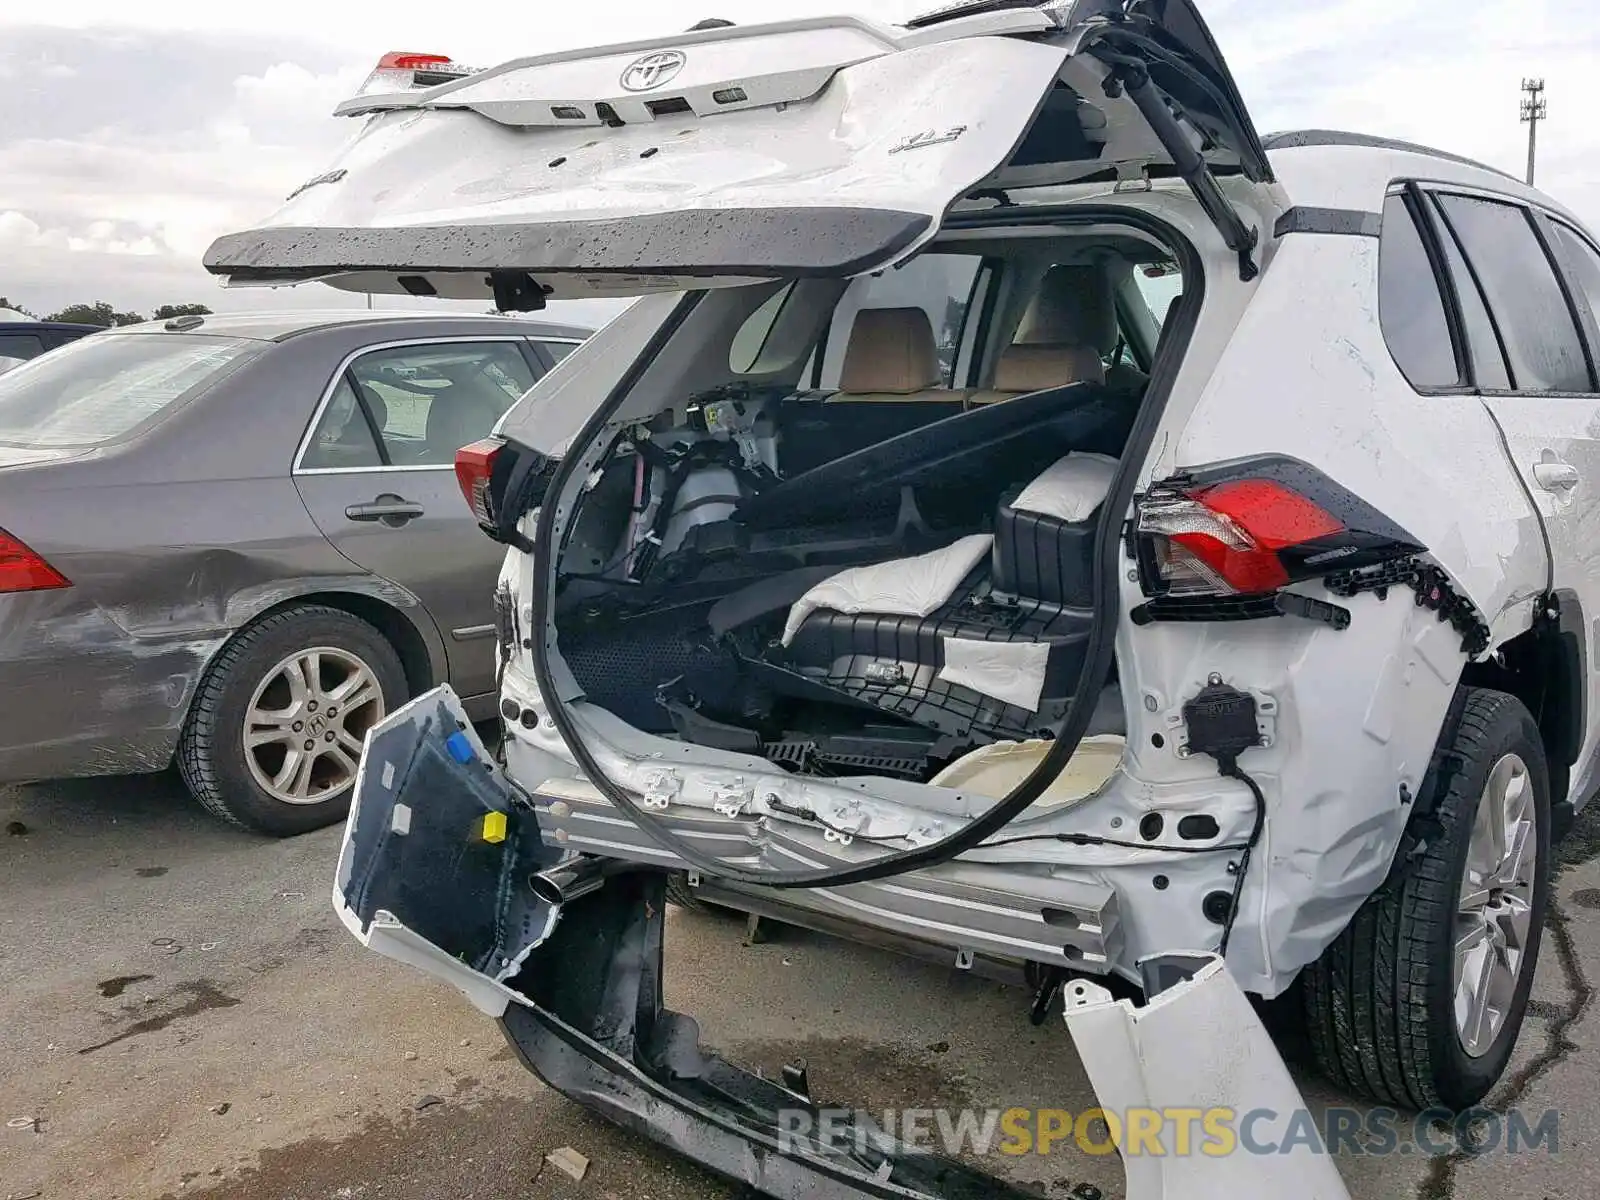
[
  {"x": 21, "y": 570},
  {"x": 400, "y": 60},
  {"x": 1226, "y": 537},
  {"x": 475, "y": 472}
]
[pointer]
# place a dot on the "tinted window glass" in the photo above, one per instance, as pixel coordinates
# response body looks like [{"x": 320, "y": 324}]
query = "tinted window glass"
[
  {"x": 745, "y": 349},
  {"x": 343, "y": 437},
  {"x": 1483, "y": 339},
  {"x": 427, "y": 401},
  {"x": 1410, "y": 309},
  {"x": 940, "y": 284},
  {"x": 106, "y": 387},
  {"x": 20, "y": 345},
  {"x": 1583, "y": 265},
  {"x": 1530, "y": 310},
  {"x": 558, "y": 350}
]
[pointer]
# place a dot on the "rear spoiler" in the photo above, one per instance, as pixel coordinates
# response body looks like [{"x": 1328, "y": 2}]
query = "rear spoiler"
[{"x": 734, "y": 67}]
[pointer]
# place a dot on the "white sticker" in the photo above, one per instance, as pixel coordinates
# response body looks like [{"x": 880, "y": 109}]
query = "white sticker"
[
  {"x": 388, "y": 777},
  {"x": 400, "y": 822}
]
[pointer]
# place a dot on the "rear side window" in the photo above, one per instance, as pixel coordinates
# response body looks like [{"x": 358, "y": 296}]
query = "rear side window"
[
  {"x": 940, "y": 284},
  {"x": 1530, "y": 310},
  {"x": 425, "y": 402},
  {"x": 1583, "y": 265},
  {"x": 105, "y": 388},
  {"x": 1410, "y": 308},
  {"x": 20, "y": 345}
]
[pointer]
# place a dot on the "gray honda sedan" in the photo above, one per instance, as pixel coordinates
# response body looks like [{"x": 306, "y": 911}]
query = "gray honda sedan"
[{"x": 236, "y": 542}]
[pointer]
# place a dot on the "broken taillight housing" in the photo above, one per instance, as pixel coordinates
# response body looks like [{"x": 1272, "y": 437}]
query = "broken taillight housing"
[
  {"x": 475, "y": 465},
  {"x": 1251, "y": 527},
  {"x": 21, "y": 570}
]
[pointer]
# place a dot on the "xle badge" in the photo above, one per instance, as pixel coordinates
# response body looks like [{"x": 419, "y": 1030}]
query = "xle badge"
[{"x": 928, "y": 137}]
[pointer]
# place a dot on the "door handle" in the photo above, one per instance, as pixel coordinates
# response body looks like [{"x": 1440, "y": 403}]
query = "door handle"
[
  {"x": 392, "y": 510},
  {"x": 1555, "y": 476}
]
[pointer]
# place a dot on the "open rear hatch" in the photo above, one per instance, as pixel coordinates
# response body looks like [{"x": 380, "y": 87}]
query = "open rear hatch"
[{"x": 829, "y": 146}]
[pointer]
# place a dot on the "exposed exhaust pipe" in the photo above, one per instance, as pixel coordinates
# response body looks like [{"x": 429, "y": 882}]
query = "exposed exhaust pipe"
[{"x": 575, "y": 878}]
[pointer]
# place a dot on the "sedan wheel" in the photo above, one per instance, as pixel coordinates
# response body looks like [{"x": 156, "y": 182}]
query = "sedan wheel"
[
  {"x": 276, "y": 729},
  {"x": 307, "y": 721}
]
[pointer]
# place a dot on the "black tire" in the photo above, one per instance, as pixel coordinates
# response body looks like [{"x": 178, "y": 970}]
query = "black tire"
[
  {"x": 1379, "y": 1003},
  {"x": 680, "y": 893},
  {"x": 211, "y": 755}
]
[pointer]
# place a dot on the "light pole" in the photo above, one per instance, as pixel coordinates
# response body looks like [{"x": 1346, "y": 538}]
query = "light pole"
[{"x": 1533, "y": 111}]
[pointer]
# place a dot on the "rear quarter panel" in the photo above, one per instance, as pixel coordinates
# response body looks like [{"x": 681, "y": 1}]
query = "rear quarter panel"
[{"x": 1306, "y": 372}]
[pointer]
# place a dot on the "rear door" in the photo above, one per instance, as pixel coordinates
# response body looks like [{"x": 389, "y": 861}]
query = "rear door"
[
  {"x": 811, "y": 147},
  {"x": 377, "y": 472},
  {"x": 1529, "y": 326}
]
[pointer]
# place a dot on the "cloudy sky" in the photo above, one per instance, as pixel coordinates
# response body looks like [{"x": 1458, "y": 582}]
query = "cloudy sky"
[{"x": 135, "y": 133}]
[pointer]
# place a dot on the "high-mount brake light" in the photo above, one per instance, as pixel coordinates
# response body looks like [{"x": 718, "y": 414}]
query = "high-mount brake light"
[
  {"x": 398, "y": 60},
  {"x": 21, "y": 570},
  {"x": 1253, "y": 527},
  {"x": 475, "y": 473},
  {"x": 405, "y": 71}
]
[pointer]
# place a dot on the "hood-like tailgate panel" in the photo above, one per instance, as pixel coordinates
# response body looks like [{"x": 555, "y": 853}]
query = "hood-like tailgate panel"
[{"x": 849, "y": 181}]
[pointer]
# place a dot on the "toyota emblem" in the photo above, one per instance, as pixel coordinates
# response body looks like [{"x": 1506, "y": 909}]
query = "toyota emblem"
[{"x": 652, "y": 70}]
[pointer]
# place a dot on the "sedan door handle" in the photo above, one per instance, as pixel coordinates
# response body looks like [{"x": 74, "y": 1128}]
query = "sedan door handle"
[
  {"x": 1555, "y": 476},
  {"x": 391, "y": 510}
]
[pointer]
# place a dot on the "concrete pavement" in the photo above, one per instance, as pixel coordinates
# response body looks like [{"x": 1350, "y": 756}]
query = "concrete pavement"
[{"x": 183, "y": 1016}]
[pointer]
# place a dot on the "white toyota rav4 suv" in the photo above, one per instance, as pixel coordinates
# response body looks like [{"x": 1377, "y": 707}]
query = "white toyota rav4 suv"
[{"x": 1029, "y": 518}]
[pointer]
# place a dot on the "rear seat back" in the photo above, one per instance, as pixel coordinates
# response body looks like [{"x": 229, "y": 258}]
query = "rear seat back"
[
  {"x": 1033, "y": 368},
  {"x": 890, "y": 383}
]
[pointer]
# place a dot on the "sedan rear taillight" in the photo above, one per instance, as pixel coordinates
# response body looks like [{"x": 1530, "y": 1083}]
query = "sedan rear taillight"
[
  {"x": 21, "y": 570},
  {"x": 475, "y": 473}
]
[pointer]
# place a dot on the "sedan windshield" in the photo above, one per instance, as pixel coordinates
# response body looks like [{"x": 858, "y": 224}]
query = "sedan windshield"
[{"x": 106, "y": 387}]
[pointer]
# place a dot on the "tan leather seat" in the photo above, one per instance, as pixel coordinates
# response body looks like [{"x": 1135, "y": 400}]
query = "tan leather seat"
[
  {"x": 892, "y": 358},
  {"x": 1077, "y": 306},
  {"x": 1033, "y": 368}
]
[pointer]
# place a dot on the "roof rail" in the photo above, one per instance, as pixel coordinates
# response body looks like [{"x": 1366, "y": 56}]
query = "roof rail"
[{"x": 1335, "y": 137}]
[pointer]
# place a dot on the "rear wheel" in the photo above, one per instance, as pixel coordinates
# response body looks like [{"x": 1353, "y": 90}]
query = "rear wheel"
[
  {"x": 276, "y": 730},
  {"x": 1419, "y": 1002}
]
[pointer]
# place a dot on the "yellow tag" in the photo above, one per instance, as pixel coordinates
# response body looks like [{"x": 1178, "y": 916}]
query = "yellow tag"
[{"x": 494, "y": 827}]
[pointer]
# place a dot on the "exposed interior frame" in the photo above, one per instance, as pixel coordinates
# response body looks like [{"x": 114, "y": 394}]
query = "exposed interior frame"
[{"x": 553, "y": 524}]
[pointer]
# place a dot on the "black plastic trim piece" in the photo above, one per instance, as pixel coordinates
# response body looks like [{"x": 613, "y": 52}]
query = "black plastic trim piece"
[
  {"x": 751, "y": 241},
  {"x": 1297, "y": 139},
  {"x": 596, "y": 1030},
  {"x": 1347, "y": 222}
]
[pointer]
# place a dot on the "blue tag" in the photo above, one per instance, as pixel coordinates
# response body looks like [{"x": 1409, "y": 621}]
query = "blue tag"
[{"x": 460, "y": 749}]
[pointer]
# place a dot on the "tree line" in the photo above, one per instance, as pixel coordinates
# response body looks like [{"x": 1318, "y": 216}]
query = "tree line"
[{"x": 106, "y": 315}]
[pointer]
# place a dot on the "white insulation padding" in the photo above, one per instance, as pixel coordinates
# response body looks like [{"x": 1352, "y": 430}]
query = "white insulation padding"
[
  {"x": 1012, "y": 672},
  {"x": 1070, "y": 489},
  {"x": 905, "y": 587}
]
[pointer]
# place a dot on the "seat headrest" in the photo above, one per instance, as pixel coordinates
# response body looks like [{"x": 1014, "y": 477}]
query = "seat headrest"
[
  {"x": 1075, "y": 306},
  {"x": 890, "y": 350},
  {"x": 1035, "y": 368}
]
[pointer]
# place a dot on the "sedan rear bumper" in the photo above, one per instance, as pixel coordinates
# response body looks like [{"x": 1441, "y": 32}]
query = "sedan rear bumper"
[{"x": 80, "y": 697}]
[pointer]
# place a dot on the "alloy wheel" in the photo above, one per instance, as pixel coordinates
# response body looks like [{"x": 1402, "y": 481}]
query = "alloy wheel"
[
  {"x": 307, "y": 721},
  {"x": 1494, "y": 907}
]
